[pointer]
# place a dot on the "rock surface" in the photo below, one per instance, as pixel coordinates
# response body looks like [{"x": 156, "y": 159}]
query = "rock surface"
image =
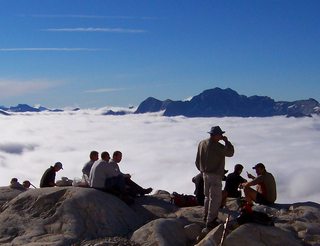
[
  {"x": 84, "y": 216},
  {"x": 7, "y": 193}
]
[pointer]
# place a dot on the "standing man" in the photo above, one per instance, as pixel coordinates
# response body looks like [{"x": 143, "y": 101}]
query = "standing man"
[
  {"x": 210, "y": 161},
  {"x": 266, "y": 192},
  {"x": 94, "y": 156},
  {"x": 49, "y": 176}
]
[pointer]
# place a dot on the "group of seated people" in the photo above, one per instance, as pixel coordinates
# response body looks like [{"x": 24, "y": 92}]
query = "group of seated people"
[
  {"x": 15, "y": 184},
  {"x": 103, "y": 174},
  {"x": 266, "y": 192}
]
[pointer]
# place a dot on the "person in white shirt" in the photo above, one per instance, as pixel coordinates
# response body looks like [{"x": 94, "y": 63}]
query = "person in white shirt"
[{"x": 99, "y": 172}]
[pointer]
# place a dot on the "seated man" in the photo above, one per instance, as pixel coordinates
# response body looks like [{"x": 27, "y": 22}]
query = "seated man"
[
  {"x": 94, "y": 156},
  {"x": 118, "y": 178},
  {"x": 14, "y": 184},
  {"x": 199, "y": 188},
  {"x": 49, "y": 176},
  {"x": 26, "y": 184},
  {"x": 233, "y": 181},
  {"x": 266, "y": 192},
  {"x": 99, "y": 172}
]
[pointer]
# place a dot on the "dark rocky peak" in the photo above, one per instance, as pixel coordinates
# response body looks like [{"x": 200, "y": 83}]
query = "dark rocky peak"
[
  {"x": 3, "y": 112},
  {"x": 41, "y": 108},
  {"x": 23, "y": 108},
  {"x": 111, "y": 112},
  {"x": 152, "y": 104},
  {"x": 219, "y": 102},
  {"x": 26, "y": 108},
  {"x": 222, "y": 102},
  {"x": 4, "y": 108}
]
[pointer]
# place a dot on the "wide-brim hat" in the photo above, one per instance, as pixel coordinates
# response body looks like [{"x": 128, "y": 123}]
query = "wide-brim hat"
[{"x": 216, "y": 130}]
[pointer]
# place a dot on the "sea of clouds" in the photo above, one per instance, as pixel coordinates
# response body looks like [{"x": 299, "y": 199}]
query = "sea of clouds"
[{"x": 159, "y": 151}]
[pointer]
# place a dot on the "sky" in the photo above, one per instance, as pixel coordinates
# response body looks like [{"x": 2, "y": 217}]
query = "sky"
[
  {"x": 90, "y": 54},
  {"x": 160, "y": 152}
]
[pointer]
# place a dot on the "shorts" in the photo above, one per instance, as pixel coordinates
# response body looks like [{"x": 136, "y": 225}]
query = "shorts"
[{"x": 262, "y": 200}]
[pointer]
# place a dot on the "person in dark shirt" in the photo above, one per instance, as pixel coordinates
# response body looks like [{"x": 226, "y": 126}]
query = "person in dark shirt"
[
  {"x": 233, "y": 181},
  {"x": 49, "y": 176},
  {"x": 199, "y": 188}
]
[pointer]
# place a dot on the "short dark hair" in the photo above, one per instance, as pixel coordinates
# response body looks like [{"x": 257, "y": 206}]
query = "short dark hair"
[
  {"x": 238, "y": 167},
  {"x": 93, "y": 153},
  {"x": 104, "y": 154},
  {"x": 116, "y": 153}
]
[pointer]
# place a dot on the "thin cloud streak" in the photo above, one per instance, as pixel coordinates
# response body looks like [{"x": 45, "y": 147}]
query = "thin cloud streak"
[
  {"x": 49, "y": 49},
  {"x": 97, "y": 17},
  {"x": 95, "y": 29},
  {"x": 104, "y": 90}
]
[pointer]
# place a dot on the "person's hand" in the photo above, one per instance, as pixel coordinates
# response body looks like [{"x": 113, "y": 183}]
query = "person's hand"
[
  {"x": 250, "y": 176},
  {"x": 224, "y": 138},
  {"x": 243, "y": 185}
]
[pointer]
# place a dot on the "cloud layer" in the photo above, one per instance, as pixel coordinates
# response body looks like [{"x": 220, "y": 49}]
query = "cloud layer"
[{"x": 160, "y": 151}]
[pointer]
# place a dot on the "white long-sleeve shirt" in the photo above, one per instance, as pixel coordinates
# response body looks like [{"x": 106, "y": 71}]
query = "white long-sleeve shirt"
[{"x": 102, "y": 170}]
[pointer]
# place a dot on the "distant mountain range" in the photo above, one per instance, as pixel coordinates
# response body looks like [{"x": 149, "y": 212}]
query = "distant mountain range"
[
  {"x": 219, "y": 102},
  {"x": 22, "y": 108},
  {"x": 215, "y": 102}
]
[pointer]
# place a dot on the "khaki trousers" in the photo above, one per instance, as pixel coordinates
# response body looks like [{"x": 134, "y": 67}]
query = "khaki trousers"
[{"x": 213, "y": 196}]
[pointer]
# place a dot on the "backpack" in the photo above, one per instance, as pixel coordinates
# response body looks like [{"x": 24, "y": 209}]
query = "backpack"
[
  {"x": 254, "y": 217},
  {"x": 182, "y": 200}
]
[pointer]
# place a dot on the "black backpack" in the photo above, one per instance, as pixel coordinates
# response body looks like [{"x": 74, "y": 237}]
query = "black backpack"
[{"x": 254, "y": 217}]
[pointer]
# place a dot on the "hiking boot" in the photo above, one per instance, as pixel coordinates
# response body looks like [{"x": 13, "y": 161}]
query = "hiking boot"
[{"x": 146, "y": 191}]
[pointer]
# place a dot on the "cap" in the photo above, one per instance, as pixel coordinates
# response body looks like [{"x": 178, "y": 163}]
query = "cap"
[
  {"x": 216, "y": 130},
  {"x": 259, "y": 165},
  {"x": 58, "y": 165}
]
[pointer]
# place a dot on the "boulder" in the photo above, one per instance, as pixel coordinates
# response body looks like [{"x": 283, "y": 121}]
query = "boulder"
[
  {"x": 85, "y": 216},
  {"x": 254, "y": 235},
  {"x": 7, "y": 193},
  {"x": 161, "y": 232},
  {"x": 213, "y": 238},
  {"x": 192, "y": 231},
  {"x": 153, "y": 207},
  {"x": 65, "y": 215}
]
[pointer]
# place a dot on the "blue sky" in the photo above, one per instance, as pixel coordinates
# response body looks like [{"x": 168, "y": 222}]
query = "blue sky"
[{"x": 93, "y": 53}]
